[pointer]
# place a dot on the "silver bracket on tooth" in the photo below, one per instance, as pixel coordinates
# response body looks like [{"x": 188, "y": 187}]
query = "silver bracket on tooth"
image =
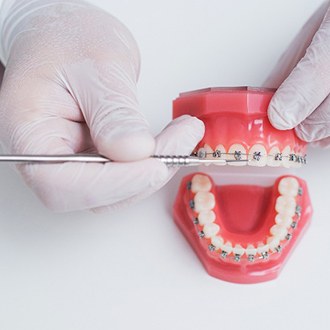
[
  {"x": 201, "y": 234},
  {"x": 278, "y": 156},
  {"x": 192, "y": 204},
  {"x": 196, "y": 221},
  {"x": 298, "y": 210},
  {"x": 300, "y": 191},
  {"x": 250, "y": 257},
  {"x": 211, "y": 247},
  {"x": 288, "y": 237},
  {"x": 265, "y": 255},
  {"x": 224, "y": 254},
  {"x": 217, "y": 153},
  {"x": 294, "y": 224},
  {"x": 237, "y": 257},
  {"x": 202, "y": 153},
  {"x": 292, "y": 158},
  {"x": 189, "y": 185},
  {"x": 238, "y": 155},
  {"x": 278, "y": 249},
  {"x": 257, "y": 155}
]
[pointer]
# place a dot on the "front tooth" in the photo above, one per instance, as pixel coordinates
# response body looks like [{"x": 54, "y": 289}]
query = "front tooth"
[
  {"x": 227, "y": 247},
  {"x": 279, "y": 232},
  {"x": 217, "y": 242},
  {"x": 286, "y": 157},
  {"x": 209, "y": 151},
  {"x": 219, "y": 153},
  {"x": 201, "y": 153},
  {"x": 200, "y": 183},
  {"x": 206, "y": 217},
  {"x": 204, "y": 201},
  {"x": 273, "y": 243},
  {"x": 257, "y": 155},
  {"x": 238, "y": 249},
  {"x": 211, "y": 230},
  {"x": 283, "y": 220},
  {"x": 274, "y": 157},
  {"x": 288, "y": 187},
  {"x": 237, "y": 152},
  {"x": 285, "y": 205},
  {"x": 251, "y": 250}
]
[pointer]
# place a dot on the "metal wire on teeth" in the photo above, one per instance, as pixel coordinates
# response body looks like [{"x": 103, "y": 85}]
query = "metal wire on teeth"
[
  {"x": 255, "y": 156},
  {"x": 250, "y": 258}
]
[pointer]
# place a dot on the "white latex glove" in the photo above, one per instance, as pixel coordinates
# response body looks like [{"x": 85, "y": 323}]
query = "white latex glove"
[
  {"x": 303, "y": 77},
  {"x": 70, "y": 87}
]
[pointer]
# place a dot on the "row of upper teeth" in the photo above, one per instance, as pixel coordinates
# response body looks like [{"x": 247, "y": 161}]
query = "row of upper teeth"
[
  {"x": 256, "y": 156},
  {"x": 288, "y": 213}
]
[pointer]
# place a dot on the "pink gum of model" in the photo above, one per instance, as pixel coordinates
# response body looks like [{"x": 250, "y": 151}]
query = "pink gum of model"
[{"x": 245, "y": 213}]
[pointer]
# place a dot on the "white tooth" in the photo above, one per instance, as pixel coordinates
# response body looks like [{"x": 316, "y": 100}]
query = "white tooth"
[
  {"x": 288, "y": 187},
  {"x": 221, "y": 149},
  {"x": 286, "y": 153},
  {"x": 238, "y": 249},
  {"x": 209, "y": 151},
  {"x": 285, "y": 205},
  {"x": 283, "y": 220},
  {"x": 217, "y": 241},
  {"x": 251, "y": 250},
  {"x": 273, "y": 243},
  {"x": 279, "y": 232},
  {"x": 200, "y": 183},
  {"x": 271, "y": 157},
  {"x": 227, "y": 247},
  {"x": 262, "y": 248},
  {"x": 260, "y": 150},
  {"x": 211, "y": 229},
  {"x": 231, "y": 154},
  {"x": 204, "y": 201},
  {"x": 206, "y": 217}
]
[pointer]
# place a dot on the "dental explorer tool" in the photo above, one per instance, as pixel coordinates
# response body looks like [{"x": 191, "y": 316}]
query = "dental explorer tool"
[{"x": 171, "y": 161}]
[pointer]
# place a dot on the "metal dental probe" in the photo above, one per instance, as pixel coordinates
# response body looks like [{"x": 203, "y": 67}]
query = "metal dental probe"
[{"x": 171, "y": 161}]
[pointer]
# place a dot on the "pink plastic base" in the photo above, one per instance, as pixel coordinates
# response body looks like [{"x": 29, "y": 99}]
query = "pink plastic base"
[{"x": 243, "y": 271}]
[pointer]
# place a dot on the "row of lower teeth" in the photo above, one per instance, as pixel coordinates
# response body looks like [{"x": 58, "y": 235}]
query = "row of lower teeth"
[{"x": 286, "y": 220}]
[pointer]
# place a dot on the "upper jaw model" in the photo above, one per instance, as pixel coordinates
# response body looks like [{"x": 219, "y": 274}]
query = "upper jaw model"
[{"x": 242, "y": 233}]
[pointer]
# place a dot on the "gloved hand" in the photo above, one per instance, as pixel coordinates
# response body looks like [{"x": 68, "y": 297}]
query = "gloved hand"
[
  {"x": 303, "y": 77},
  {"x": 70, "y": 87}
]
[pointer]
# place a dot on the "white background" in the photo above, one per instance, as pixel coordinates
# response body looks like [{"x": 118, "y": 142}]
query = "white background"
[{"x": 133, "y": 269}]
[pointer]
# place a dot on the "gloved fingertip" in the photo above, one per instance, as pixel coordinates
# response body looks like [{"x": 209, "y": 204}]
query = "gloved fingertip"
[
  {"x": 131, "y": 146},
  {"x": 159, "y": 173},
  {"x": 277, "y": 118}
]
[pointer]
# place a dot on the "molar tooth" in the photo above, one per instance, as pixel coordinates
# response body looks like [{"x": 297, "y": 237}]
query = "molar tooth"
[
  {"x": 251, "y": 250},
  {"x": 238, "y": 249},
  {"x": 206, "y": 217},
  {"x": 220, "y": 153},
  {"x": 283, "y": 220},
  {"x": 273, "y": 243},
  {"x": 237, "y": 152},
  {"x": 257, "y": 155},
  {"x": 288, "y": 187},
  {"x": 200, "y": 183},
  {"x": 204, "y": 201},
  {"x": 271, "y": 159},
  {"x": 285, "y": 205},
  {"x": 279, "y": 232},
  {"x": 286, "y": 157},
  {"x": 211, "y": 229},
  {"x": 217, "y": 242},
  {"x": 227, "y": 247}
]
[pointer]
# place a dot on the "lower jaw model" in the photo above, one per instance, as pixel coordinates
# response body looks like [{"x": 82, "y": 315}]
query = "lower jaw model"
[{"x": 242, "y": 232}]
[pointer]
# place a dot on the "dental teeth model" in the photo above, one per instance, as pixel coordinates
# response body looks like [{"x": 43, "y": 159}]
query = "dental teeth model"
[{"x": 242, "y": 233}]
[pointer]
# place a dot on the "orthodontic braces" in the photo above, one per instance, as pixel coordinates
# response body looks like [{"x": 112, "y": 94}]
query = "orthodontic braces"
[
  {"x": 255, "y": 156},
  {"x": 250, "y": 258}
]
